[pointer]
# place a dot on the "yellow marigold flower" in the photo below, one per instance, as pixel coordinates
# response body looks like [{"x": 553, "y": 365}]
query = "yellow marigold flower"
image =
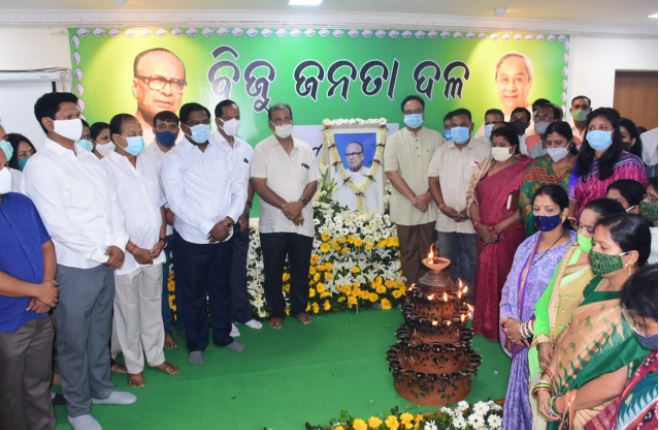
[
  {"x": 320, "y": 287},
  {"x": 312, "y": 293},
  {"x": 374, "y": 422},
  {"x": 315, "y": 308},
  {"x": 369, "y": 246},
  {"x": 392, "y": 422},
  {"x": 341, "y": 240},
  {"x": 389, "y": 283},
  {"x": 341, "y": 299},
  {"x": 380, "y": 289},
  {"x": 378, "y": 280},
  {"x": 325, "y": 295},
  {"x": 336, "y": 246},
  {"x": 355, "y": 269},
  {"x": 339, "y": 428},
  {"x": 355, "y": 284},
  {"x": 325, "y": 237},
  {"x": 359, "y": 424},
  {"x": 324, "y": 248},
  {"x": 327, "y": 276},
  {"x": 312, "y": 270},
  {"x": 406, "y": 420},
  {"x": 286, "y": 276},
  {"x": 287, "y": 288},
  {"x": 373, "y": 297},
  {"x": 288, "y": 311},
  {"x": 397, "y": 294},
  {"x": 418, "y": 419},
  {"x": 358, "y": 242},
  {"x": 308, "y": 307},
  {"x": 345, "y": 250},
  {"x": 316, "y": 277},
  {"x": 382, "y": 244},
  {"x": 386, "y": 304},
  {"x": 315, "y": 259},
  {"x": 327, "y": 305},
  {"x": 352, "y": 300}
]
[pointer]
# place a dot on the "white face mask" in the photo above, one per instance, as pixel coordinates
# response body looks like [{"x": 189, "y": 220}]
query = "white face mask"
[
  {"x": 501, "y": 154},
  {"x": 69, "y": 128},
  {"x": 283, "y": 131},
  {"x": 231, "y": 126},
  {"x": 557, "y": 154},
  {"x": 5, "y": 181},
  {"x": 105, "y": 149}
]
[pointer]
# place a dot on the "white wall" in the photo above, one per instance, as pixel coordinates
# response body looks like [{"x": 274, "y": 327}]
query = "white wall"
[{"x": 594, "y": 61}]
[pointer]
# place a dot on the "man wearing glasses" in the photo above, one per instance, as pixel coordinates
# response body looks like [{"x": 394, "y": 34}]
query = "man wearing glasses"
[
  {"x": 358, "y": 175},
  {"x": 158, "y": 84}
]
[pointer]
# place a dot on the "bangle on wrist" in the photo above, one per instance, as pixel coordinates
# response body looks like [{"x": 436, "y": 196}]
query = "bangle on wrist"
[
  {"x": 304, "y": 201},
  {"x": 131, "y": 247}
]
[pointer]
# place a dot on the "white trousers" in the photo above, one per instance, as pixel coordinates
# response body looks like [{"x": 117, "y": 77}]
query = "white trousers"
[{"x": 137, "y": 323}]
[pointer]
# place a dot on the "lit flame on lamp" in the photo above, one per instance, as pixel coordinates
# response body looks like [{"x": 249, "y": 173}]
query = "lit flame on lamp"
[{"x": 434, "y": 262}]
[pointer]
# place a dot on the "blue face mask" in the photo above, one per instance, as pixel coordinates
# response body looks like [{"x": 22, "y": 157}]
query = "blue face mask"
[
  {"x": 447, "y": 134},
  {"x": 135, "y": 145},
  {"x": 414, "y": 120},
  {"x": 488, "y": 130},
  {"x": 599, "y": 140},
  {"x": 200, "y": 133},
  {"x": 547, "y": 223},
  {"x": 85, "y": 144},
  {"x": 166, "y": 138},
  {"x": 460, "y": 135},
  {"x": 649, "y": 342},
  {"x": 22, "y": 162},
  {"x": 7, "y": 149}
]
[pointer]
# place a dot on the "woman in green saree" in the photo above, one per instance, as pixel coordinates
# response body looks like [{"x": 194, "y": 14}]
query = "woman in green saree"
[
  {"x": 595, "y": 352},
  {"x": 553, "y": 312}
]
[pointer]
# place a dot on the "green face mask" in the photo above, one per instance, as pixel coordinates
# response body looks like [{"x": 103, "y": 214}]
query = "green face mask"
[
  {"x": 649, "y": 211},
  {"x": 601, "y": 264},
  {"x": 585, "y": 243},
  {"x": 580, "y": 115}
]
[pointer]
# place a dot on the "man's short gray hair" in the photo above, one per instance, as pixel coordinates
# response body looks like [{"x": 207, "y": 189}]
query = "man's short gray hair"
[{"x": 527, "y": 63}]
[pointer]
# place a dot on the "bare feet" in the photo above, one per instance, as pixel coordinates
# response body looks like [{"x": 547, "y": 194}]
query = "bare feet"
[
  {"x": 276, "y": 323},
  {"x": 118, "y": 369},
  {"x": 56, "y": 380},
  {"x": 136, "y": 380},
  {"x": 167, "y": 368},
  {"x": 304, "y": 318},
  {"x": 170, "y": 343}
]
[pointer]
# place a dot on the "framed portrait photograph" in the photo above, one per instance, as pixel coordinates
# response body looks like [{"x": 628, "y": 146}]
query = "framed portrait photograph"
[{"x": 355, "y": 151}]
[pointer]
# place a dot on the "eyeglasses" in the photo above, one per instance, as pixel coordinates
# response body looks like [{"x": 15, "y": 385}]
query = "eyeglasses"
[
  {"x": 158, "y": 83},
  {"x": 353, "y": 154}
]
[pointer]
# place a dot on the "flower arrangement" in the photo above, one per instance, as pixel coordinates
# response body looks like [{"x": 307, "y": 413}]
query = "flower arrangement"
[
  {"x": 479, "y": 416},
  {"x": 354, "y": 264}
]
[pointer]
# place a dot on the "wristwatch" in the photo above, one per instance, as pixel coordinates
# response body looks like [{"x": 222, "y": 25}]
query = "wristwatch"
[{"x": 229, "y": 222}]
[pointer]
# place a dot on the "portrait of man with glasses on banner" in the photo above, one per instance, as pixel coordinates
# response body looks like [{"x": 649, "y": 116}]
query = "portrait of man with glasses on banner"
[
  {"x": 158, "y": 85},
  {"x": 358, "y": 178}
]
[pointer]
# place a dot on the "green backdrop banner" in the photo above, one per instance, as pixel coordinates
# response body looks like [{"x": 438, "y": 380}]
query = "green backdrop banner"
[{"x": 321, "y": 73}]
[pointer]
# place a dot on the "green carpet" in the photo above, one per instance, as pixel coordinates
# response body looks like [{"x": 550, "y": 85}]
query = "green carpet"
[{"x": 285, "y": 378}]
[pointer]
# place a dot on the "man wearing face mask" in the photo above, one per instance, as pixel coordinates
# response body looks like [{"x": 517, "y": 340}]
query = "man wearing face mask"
[
  {"x": 208, "y": 195},
  {"x": 28, "y": 290},
  {"x": 138, "y": 282},
  {"x": 492, "y": 118},
  {"x": 406, "y": 158},
  {"x": 449, "y": 175},
  {"x": 239, "y": 153},
  {"x": 87, "y": 227},
  {"x": 285, "y": 174},
  {"x": 544, "y": 114},
  {"x": 166, "y": 131},
  {"x": 580, "y": 107},
  {"x": 521, "y": 119}
]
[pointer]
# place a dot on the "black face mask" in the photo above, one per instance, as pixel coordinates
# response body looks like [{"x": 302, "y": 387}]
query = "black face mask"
[{"x": 520, "y": 127}]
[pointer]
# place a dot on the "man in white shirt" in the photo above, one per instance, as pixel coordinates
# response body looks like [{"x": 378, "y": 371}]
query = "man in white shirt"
[
  {"x": 239, "y": 155},
  {"x": 580, "y": 107},
  {"x": 78, "y": 206},
  {"x": 285, "y": 174},
  {"x": 207, "y": 196},
  {"x": 166, "y": 130},
  {"x": 138, "y": 283},
  {"x": 449, "y": 175},
  {"x": 406, "y": 158},
  {"x": 357, "y": 175}
]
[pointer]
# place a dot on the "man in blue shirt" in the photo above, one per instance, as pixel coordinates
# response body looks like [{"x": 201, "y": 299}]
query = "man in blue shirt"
[{"x": 27, "y": 292}]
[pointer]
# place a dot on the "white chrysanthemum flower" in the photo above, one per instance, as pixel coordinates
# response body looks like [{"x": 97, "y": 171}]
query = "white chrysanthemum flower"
[
  {"x": 481, "y": 408},
  {"x": 459, "y": 422},
  {"x": 494, "y": 421},
  {"x": 430, "y": 425},
  {"x": 476, "y": 420},
  {"x": 462, "y": 405}
]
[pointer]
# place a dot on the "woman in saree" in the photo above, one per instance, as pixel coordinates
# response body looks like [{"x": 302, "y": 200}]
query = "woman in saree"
[
  {"x": 533, "y": 265},
  {"x": 553, "y": 312},
  {"x": 553, "y": 168},
  {"x": 601, "y": 161},
  {"x": 637, "y": 408},
  {"x": 595, "y": 353},
  {"x": 495, "y": 216}
]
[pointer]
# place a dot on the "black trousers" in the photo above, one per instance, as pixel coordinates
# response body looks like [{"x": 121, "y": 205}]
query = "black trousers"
[
  {"x": 202, "y": 279},
  {"x": 276, "y": 247},
  {"x": 241, "y": 307}
]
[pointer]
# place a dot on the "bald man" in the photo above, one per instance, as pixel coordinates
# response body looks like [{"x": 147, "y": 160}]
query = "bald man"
[{"x": 158, "y": 85}]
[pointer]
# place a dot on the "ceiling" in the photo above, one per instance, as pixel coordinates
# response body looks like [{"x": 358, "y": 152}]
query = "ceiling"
[{"x": 574, "y": 16}]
